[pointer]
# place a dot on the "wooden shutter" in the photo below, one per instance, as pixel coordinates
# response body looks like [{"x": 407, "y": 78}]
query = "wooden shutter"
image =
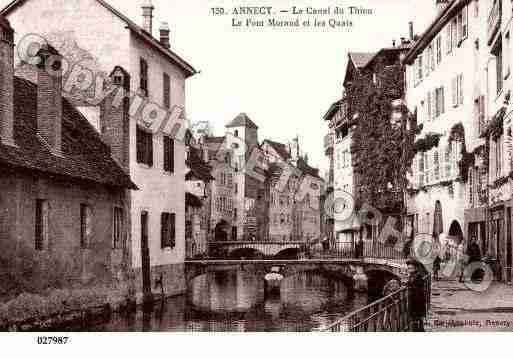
[
  {"x": 167, "y": 91},
  {"x": 140, "y": 145},
  {"x": 172, "y": 230},
  {"x": 448, "y": 38},
  {"x": 39, "y": 225},
  {"x": 169, "y": 154},
  {"x": 164, "y": 230},
  {"x": 429, "y": 109},
  {"x": 460, "y": 89},
  {"x": 149, "y": 149},
  {"x": 454, "y": 84}
]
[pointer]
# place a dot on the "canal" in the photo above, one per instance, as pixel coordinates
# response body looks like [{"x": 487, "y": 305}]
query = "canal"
[{"x": 235, "y": 301}]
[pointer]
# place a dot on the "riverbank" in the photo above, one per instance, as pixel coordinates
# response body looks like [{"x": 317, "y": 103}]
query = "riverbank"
[{"x": 455, "y": 308}]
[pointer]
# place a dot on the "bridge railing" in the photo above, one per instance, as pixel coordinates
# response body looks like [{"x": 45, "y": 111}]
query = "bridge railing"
[
  {"x": 305, "y": 250},
  {"x": 389, "y": 314}
]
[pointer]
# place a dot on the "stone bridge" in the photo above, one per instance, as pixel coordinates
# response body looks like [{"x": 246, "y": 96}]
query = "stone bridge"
[
  {"x": 253, "y": 250},
  {"x": 352, "y": 271}
]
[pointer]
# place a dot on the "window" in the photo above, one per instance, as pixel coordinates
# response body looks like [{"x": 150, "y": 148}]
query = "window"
[
  {"x": 429, "y": 106},
  {"x": 498, "y": 157},
  {"x": 167, "y": 230},
  {"x": 480, "y": 113},
  {"x": 167, "y": 91},
  {"x": 497, "y": 51},
  {"x": 448, "y": 162},
  {"x": 419, "y": 68},
  {"x": 457, "y": 90},
  {"x": 236, "y": 133},
  {"x": 436, "y": 169},
  {"x": 118, "y": 236},
  {"x": 507, "y": 56},
  {"x": 454, "y": 32},
  {"x": 439, "y": 101},
  {"x": 235, "y": 214},
  {"x": 448, "y": 38},
  {"x": 42, "y": 225},
  {"x": 143, "y": 76},
  {"x": 471, "y": 186},
  {"x": 169, "y": 154},
  {"x": 144, "y": 147},
  {"x": 439, "y": 49},
  {"x": 85, "y": 226},
  {"x": 464, "y": 23}
]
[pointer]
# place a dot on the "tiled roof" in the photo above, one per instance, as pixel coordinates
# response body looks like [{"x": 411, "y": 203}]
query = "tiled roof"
[
  {"x": 306, "y": 169},
  {"x": 199, "y": 168},
  {"x": 242, "y": 120},
  {"x": 280, "y": 148},
  {"x": 84, "y": 155},
  {"x": 192, "y": 200},
  {"x": 361, "y": 59},
  {"x": 136, "y": 29}
]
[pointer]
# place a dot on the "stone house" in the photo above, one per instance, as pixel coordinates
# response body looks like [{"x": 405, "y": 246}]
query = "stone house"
[
  {"x": 64, "y": 208},
  {"x": 95, "y": 38}
]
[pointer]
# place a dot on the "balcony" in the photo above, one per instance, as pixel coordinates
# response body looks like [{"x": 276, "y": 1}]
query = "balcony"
[
  {"x": 328, "y": 143},
  {"x": 494, "y": 20}
]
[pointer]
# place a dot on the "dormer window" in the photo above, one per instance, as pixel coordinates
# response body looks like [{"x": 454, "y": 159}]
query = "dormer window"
[{"x": 236, "y": 133}]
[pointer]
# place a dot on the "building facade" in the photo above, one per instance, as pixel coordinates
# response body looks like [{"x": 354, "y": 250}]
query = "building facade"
[
  {"x": 443, "y": 91},
  {"x": 64, "y": 208},
  {"x": 153, "y": 158}
]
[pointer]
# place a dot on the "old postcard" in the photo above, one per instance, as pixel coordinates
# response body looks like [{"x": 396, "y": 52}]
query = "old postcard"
[{"x": 235, "y": 166}]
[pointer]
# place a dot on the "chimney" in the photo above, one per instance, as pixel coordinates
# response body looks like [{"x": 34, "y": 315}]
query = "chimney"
[
  {"x": 412, "y": 34},
  {"x": 114, "y": 117},
  {"x": 147, "y": 8},
  {"x": 49, "y": 98},
  {"x": 164, "y": 35},
  {"x": 441, "y": 5},
  {"x": 6, "y": 83}
]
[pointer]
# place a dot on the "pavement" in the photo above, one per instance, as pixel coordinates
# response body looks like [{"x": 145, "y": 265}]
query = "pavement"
[{"x": 455, "y": 308}]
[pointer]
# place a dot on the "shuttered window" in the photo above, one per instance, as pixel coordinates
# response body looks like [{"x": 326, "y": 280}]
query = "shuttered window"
[
  {"x": 167, "y": 91},
  {"x": 169, "y": 154},
  {"x": 439, "y": 49},
  {"x": 85, "y": 226},
  {"x": 42, "y": 225},
  {"x": 143, "y": 77},
  {"x": 168, "y": 222},
  {"x": 144, "y": 147},
  {"x": 118, "y": 228}
]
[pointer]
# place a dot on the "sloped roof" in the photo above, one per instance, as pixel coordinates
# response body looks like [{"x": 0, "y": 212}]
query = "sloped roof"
[
  {"x": 242, "y": 120},
  {"x": 192, "y": 201},
  {"x": 199, "y": 168},
  {"x": 280, "y": 148},
  {"x": 361, "y": 59},
  {"x": 444, "y": 17},
  {"x": 84, "y": 155},
  {"x": 306, "y": 169},
  {"x": 136, "y": 29}
]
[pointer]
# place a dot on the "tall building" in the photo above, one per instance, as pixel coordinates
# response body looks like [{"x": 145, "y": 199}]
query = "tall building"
[
  {"x": 445, "y": 87},
  {"x": 94, "y": 38}
]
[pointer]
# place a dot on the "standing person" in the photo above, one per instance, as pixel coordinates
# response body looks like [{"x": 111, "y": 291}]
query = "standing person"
[
  {"x": 436, "y": 267},
  {"x": 474, "y": 255},
  {"x": 416, "y": 296},
  {"x": 461, "y": 261}
]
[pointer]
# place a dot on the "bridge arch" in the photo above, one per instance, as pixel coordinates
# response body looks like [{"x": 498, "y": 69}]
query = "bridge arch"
[
  {"x": 246, "y": 253},
  {"x": 288, "y": 253}
]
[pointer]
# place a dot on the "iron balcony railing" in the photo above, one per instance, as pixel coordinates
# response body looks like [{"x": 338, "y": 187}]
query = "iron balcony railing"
[
  {"x": 494, "y": 20},
  {"x": 389, "y": 314}
]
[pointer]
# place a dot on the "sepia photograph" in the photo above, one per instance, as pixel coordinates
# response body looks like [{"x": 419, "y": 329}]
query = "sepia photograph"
[{"x": 230, "y": 166}]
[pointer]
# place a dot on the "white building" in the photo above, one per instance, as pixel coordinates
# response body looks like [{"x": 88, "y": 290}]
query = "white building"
[
  {"x": 444, "y": 85},
  {"x": 98, "y": 37}
]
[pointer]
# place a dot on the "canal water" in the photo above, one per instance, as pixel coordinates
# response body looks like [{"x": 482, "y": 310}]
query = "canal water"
[{"x": 234, "y": 301}]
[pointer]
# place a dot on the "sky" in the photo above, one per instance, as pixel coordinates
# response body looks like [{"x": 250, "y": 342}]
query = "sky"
[{"x": 284, "y": 79}]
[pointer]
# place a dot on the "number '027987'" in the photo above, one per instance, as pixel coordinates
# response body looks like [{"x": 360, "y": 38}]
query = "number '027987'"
[{"x": 52, "y": 340}]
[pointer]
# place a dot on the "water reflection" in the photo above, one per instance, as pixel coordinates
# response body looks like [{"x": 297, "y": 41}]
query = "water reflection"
[{"x": 235, "y": 301}]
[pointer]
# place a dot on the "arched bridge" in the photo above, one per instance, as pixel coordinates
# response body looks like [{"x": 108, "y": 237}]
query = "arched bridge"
[
  {"x": 255, "y": 250},
  {"x": 347, "y": 269}
]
